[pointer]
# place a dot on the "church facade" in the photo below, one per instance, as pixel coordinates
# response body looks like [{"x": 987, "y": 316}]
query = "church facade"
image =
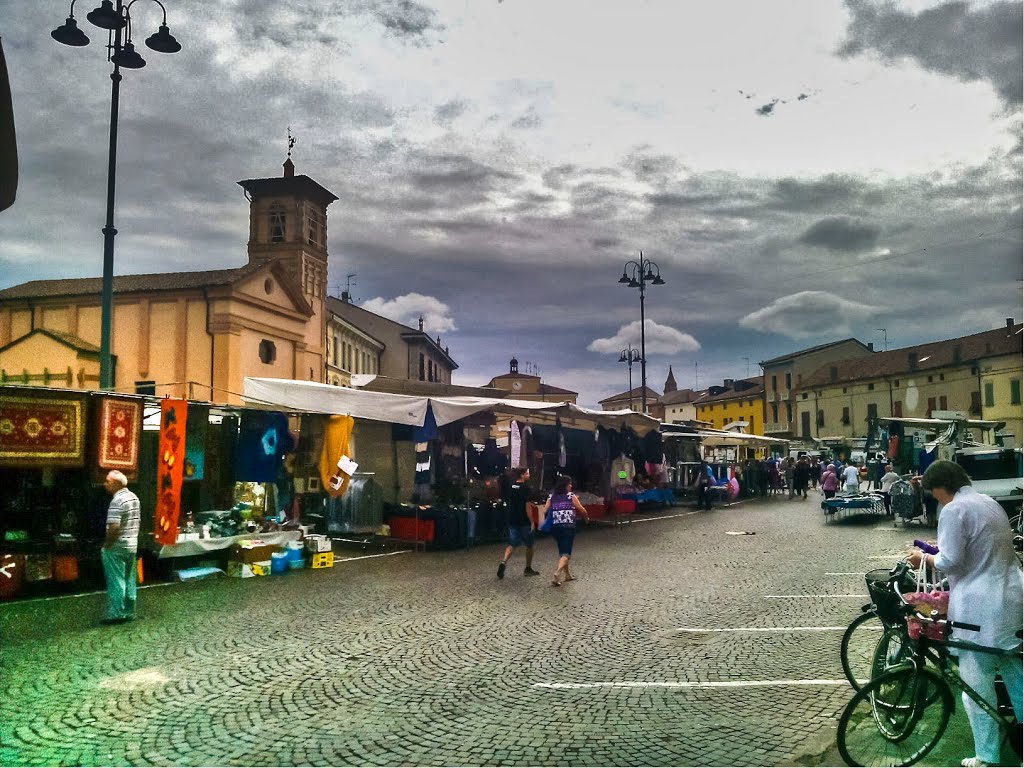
[{"x": 189, "y": 334}]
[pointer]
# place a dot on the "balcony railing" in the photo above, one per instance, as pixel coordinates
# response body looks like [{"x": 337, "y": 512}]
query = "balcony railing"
[{"x": 771, "y": 428}]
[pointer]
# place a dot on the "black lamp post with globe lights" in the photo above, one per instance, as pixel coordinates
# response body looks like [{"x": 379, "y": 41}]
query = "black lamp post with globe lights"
[
  {"x": 629, "y": 356},
  {"x": 636, "y": 274},
  {"x": 117, "y": 20}
]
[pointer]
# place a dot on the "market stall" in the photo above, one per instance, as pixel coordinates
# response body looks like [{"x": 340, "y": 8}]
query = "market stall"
[{"x": 459, "y": 464}]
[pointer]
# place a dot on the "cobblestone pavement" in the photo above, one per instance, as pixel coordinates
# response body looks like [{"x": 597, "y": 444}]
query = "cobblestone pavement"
[{"x": 428, "y": 659}]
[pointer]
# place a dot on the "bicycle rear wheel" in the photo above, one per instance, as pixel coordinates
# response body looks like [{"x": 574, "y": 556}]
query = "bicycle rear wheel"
[
  {"x": 896, "y": 719},
  {"x": 857, "y": 649}
]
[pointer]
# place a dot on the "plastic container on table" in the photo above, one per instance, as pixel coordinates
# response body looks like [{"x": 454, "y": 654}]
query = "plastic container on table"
[{"x": 278, "y": 562}]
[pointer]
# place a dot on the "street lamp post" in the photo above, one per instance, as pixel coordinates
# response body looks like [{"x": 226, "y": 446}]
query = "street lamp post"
[
  {"x": 629, "y": 356},
  {"x": 116, "y": 20},
  {"x": 636, "y": 274}
]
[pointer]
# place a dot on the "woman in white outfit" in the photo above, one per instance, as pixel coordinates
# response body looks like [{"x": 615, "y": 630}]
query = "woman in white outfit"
[
  {"x": 985, "y": 588},
  {"x": 851, "y": 478}
]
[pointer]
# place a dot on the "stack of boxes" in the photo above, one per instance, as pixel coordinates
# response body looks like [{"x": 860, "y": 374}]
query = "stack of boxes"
[
  {"x": 252, "y": 557},
  {"x": 319, "y": 549}
]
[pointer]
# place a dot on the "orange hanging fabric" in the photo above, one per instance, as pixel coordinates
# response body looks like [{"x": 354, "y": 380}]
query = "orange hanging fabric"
[
  {"x": 170, "y": 463},
  {"x": 336, "y": 444}
]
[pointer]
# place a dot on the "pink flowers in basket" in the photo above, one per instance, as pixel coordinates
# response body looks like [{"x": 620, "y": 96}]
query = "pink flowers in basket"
[{"x": 925, "y": 603}]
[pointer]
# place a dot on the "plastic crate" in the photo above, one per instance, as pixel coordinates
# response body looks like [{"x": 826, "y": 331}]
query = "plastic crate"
[{"x": 322, "y": 560}]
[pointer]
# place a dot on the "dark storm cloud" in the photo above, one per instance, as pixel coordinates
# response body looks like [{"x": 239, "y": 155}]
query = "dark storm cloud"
[
  {"x": 971, "y": 43},
  {"x": 647, "y": 166},
  {"x": 826, "y": 193},
  {"x": 531, "y": 119},
  {"x": 840, "y": 233},
  {"x": 405, "y": 19},
  {"x": 452, "y": 172},
  {"x": 606, "y": 242},
  {"x": 445, "y": 113}
]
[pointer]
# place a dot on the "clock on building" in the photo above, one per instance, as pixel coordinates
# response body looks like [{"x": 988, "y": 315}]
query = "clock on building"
[{"x": 517, "y": 385}]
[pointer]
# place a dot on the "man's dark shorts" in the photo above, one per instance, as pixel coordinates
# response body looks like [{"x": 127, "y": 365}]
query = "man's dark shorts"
[{"x": 520, "y": 536}]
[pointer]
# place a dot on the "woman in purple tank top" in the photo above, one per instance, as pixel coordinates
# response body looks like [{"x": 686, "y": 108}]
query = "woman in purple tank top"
[{"x": 565, "y": 510}]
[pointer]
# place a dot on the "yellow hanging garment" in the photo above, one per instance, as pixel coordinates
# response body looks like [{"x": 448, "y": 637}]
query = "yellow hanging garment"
[{"x": 336, "y": 437}]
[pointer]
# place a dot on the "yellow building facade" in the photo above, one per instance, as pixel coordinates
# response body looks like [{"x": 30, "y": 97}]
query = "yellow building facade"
[{"x": 736, "y": 401}]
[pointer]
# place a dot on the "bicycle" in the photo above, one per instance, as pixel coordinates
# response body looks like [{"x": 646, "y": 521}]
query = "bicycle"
[
  {"x": 881, "y": 621},
  {"x": 899, "y": 717}
]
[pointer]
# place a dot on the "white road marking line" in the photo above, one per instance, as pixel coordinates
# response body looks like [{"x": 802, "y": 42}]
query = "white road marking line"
[
  {"x": 367, "y": 557},
  {"x": 174, "y": 583},
  {"x": 663, "y": 517},
  {"x": 87, "y": 594},
  {"x": 709, "y": 685},
  {"x": 763, "y": 629},
  {"x": 786, "y": 597}
]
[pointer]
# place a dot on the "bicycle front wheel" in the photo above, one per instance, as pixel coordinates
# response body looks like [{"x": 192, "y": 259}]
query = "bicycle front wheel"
[
  {"x": 857, "y": 649},
  {"x": 896, "y": 719}
]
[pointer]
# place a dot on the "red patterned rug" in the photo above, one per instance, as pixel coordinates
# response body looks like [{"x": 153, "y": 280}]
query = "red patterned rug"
[
  {"x": 41, "y": 432},
  {"x": 119, "y": 433}
]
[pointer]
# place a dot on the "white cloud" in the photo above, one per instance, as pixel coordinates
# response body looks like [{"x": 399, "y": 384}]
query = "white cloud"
[
  {"x": 408, "y": 309},
  {"x": 660, "y": 339},
  {"x": 809, "y": 313}
]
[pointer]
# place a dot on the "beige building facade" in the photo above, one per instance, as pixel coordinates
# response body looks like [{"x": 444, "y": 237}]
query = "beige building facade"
[
  {"x": 951, "y": 375},
  {"x": 369, "y": 343},
  {"x": 524, "y": 386},
  {"x": 189, "y": 334},
  {"x": 784, "y": 375}
]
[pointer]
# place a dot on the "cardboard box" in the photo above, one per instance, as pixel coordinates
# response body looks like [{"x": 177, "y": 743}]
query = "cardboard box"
[
  {"x": 256, "y": 553},
  {"x": 241, "y": 570},
  {"x": 322, "y": 560},
  {"x": 318, "y": 543}
]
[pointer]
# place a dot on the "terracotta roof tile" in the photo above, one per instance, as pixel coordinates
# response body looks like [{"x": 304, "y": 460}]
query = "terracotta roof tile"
[
  {"x": 161, "y": 281},
  {"x": 930, "y": 356},
  {"x": 808, "y": 351}
]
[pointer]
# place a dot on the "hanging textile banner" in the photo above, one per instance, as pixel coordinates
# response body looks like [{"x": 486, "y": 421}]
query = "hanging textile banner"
[
  {"x": 515, "y": 442},
  {"x": 336, "y": 437},
  {"x": 170, "y": 465},
  {"x": 263, "y": 440},
  {"x": 41, "y": 432},
  {"x": 120, "y": 421},
  {"x": 195, "y": 442}
]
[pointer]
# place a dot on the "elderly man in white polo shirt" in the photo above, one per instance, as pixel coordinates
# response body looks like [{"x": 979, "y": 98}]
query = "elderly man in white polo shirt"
[{"x": 119, "y": 549}]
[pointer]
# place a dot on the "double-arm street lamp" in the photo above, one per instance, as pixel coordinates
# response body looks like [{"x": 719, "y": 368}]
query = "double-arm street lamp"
[
  {"x": 636, "y": 274},
  {"x": 121, "y": 52},
  {"x": 629, "y": 356}
]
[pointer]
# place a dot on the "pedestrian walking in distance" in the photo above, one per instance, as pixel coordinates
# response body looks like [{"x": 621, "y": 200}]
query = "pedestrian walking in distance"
[
  {"x": 120, "y": 548},
  {"x": 565, "y": 509},
  {"x": 520, "y": 527}
]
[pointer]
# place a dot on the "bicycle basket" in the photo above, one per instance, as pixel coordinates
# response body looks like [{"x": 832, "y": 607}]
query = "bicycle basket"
[{"x": 887, "y": 603}]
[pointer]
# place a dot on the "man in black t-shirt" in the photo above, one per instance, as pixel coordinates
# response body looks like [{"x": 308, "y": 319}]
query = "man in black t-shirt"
[{"x": 520, "y": 527}]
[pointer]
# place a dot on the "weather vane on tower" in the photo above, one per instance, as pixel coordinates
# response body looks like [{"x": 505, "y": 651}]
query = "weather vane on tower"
[{"x": 291, "y": 141}]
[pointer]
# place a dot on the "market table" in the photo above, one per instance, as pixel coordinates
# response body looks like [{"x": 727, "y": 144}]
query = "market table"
[
  {"x": 203, "y": 546},
  {"x": 870, "y": 502},
  {"x": 664, "y": 495}
]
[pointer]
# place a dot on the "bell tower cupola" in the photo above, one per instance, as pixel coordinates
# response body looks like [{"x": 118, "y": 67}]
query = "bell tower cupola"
[{"x": 288, "y": 221}]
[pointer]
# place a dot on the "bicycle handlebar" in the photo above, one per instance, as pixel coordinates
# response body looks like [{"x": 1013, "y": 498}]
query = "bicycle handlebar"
[{"x": 964, "y": 625}]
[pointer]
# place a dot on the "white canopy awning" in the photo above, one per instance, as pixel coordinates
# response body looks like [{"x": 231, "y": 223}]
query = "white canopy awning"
[{"x": 313, "y": 397}]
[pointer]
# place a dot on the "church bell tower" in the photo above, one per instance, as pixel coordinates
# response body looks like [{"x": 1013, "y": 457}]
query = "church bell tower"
[{"x": 288, "y": 221}]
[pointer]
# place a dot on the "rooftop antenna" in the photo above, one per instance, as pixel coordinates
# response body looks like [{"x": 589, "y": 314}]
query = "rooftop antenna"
[
  {"x": 350, "y": 280},
  {"x": 696, "y": 386},
  {"x": 747, "y": 360},
  {"x": 885, "y": 338}
]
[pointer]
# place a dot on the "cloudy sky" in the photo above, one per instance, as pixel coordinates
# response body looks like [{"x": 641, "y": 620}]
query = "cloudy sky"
[{"x": 799, "y": 170}]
